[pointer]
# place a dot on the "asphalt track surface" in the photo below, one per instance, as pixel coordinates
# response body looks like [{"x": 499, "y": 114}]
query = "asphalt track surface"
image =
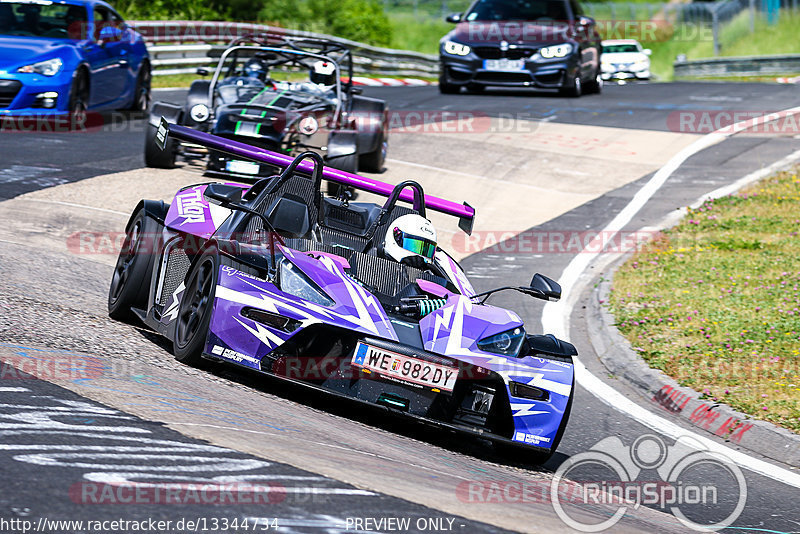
[{"x": 771, "y": 506}]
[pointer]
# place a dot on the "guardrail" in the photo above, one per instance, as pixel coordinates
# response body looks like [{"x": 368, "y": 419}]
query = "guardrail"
[
  {"x": 182, "y": 46},
  {"x": 738, "y": 66}
]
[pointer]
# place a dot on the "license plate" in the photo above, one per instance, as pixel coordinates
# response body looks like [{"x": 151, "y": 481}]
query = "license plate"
[
  {"x": 404, "y": 368},
  {"x": 242, "y": 167},
  {"x": 504, "y": 64}
]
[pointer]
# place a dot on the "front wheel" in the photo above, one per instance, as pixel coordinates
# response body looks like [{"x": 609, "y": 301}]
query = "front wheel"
[
  {"x": 347, "y": 163},
  {"x": 595, "y": 86},
  {"x": 141, "y": 93},
  {"x": 574, "y": 87},
  {"x": 79, "y": 95},
  {"x": 130, "y": 283},
  {"x": 447, "y": 88},
  {"x": 194, "y": 312}
]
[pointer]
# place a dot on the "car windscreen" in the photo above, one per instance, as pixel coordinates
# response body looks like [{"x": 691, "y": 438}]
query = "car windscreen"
[
  {"x": 43, "y": 19},
  {"x": 518, "y": 10},
  {"x": 620, "y": 48}
]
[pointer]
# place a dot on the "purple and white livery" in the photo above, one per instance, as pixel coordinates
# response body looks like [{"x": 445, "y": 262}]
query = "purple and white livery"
[{"x": 281, "y": 279}]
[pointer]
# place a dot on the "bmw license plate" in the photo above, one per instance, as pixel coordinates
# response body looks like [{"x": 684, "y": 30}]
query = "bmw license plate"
[
  {"x": 402, "y": 368},
  {"x": 242, "y": 167},
  {"x": 504, "y": 64}
]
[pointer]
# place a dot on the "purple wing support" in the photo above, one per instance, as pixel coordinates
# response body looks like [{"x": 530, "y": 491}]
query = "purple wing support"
[{"x": 464, "y": 212}]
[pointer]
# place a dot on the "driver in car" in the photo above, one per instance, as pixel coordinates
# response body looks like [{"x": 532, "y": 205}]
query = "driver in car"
[
  {"x": 411, "y": 240},
  {"x": 8, "y": 21}
]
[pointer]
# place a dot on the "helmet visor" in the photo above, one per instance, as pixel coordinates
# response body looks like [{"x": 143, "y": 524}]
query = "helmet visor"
[{"x": 418, "y": 245}]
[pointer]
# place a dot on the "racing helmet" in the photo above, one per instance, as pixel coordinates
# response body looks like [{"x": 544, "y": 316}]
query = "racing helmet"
[
  {"x": 255, "y": 69},
  {"x": 410, "y": 235},
  {"x": 323, "y": 73}
]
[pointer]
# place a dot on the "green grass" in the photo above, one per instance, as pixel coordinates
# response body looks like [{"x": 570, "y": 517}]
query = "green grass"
[
  {"x": 715, "y": 301},
  {"x": 418, "y": 34}
]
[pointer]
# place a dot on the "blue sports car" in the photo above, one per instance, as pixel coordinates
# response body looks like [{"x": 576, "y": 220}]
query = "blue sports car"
[{"x": 69, "y": 56}]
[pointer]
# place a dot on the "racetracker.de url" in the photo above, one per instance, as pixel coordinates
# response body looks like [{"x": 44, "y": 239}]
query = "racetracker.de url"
[{"x": 113, "y": 526}]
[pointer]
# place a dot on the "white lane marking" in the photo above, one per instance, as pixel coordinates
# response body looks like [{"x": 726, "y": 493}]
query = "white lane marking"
[
  {"x": 17, "y": 390},
  {"x": 73, "y": 205},
  {"x": 556, "y": 315},
  {"x": 321, "y": 444}
]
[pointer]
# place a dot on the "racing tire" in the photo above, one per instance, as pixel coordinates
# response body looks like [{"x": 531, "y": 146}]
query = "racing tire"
[
  {"x": 130, "y": 282},
  {"x": 347, "y": 163},
  {"x": 375, "y": 160},
  {"x": 141, "y": 93},
  {"x": 574, "y": 89},
  {"x": 78, "y": 96},
  {"x": 154, "y": 156},
  {"x": 194, "y": 311},
  {"x": 447, "y": 88},
  {"x": 594, "y": 87}
]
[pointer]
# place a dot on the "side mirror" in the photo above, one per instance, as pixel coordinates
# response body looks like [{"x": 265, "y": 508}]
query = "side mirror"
[
  {"x": 202, "y": 71},
  {"x": 545, "y": 288},
  {"x": 454, "y": 18},
  {"x": 109, "y": 34},
  {"x": 585, "y": 21},
  {"x": 224, "y": 194},
  {"x": 647, "y": 51}
]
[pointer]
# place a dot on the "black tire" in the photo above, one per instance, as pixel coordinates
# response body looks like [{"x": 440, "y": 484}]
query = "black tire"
[
  {"x": 194, "y": 312},
  {"x": 447, "y": 88},
  {"x": 154, "y": 156},
  {"x": 141, "y": 98},
  {"x": 574, "y": 88},
  {"x": 79, "y": 94},
  {"x": 375, "y": 160},
  {"x": 594, "y": 87},
  {"x": 347, "y": 163},
  {"x": 130, "y": 283}
]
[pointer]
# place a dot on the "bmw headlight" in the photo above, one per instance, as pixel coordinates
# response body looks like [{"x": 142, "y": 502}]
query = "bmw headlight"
[
  {"x": 506, "y": 343},
  {"x": 295, "y": 282},
  {"x": 200, "y": 113},
  {"x": 50, "y": 67},
  {"x": 456, "y": 49},
  {"x": 550, "y": 52}
]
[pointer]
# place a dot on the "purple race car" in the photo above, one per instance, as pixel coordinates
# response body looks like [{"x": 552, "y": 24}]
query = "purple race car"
[{"x": 279, "y": 278}]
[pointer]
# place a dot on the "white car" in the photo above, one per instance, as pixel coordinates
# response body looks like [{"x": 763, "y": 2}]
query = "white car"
[{"x": 624, "y": 58}]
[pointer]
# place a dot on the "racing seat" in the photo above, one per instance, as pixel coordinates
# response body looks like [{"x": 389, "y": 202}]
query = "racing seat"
[
  {"x": 291, "y": 209},
  {"x": 366, "y": 241}
]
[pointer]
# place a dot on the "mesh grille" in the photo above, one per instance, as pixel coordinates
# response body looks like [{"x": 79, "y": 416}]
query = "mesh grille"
[
  {"x": 494, "y": 52},
  {"x": 176, "y": 269},
  {"x": 8, "y": 91},
  {"x": 385, "y": 276}
]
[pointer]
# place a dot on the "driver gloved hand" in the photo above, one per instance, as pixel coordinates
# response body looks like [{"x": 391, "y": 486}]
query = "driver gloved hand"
[{"x": 417, "y": 262}]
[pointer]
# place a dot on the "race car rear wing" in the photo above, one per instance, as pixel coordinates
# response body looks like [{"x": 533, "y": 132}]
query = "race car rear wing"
[{"x": 464, "y": 212}]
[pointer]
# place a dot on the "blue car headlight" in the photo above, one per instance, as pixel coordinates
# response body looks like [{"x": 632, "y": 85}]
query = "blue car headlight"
[
  {"x": 49, "y": 67},
  {"x": 556, "y": 51},
  {"x": 507, "y": 343},
  {"x": 297, "y": 283},
  {"x": 456, "y": 49}
]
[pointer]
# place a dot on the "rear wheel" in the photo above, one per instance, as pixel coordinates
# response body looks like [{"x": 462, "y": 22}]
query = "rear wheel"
[
  {"x": 154, "y": 156},
  {"x": 194, "y": 312},
  {"x": 130, "y": 283}
]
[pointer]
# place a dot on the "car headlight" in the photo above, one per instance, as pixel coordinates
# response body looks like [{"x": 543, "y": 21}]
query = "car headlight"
[
  {"x": 456, "y": 49},
  {"x": 549, "y": 52},
  {"x": 199, "y": 113},
  {"x": 50, "y": 67},
  {"x": 295, "y": 282},
  {"x": 506, "y": 343}
]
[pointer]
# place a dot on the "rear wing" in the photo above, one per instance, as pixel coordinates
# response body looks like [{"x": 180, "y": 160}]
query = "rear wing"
[{"x": 464, "y": 212}]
